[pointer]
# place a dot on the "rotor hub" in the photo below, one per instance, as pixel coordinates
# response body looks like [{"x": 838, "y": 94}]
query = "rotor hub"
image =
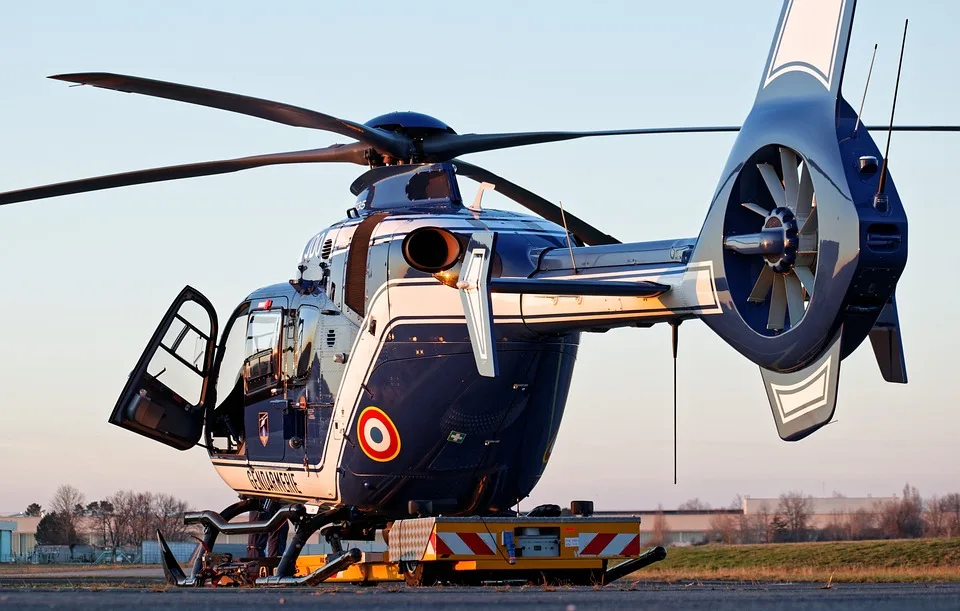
[
  {"x": 408, "y": 123},
  {"x": 784, "y": 222}
]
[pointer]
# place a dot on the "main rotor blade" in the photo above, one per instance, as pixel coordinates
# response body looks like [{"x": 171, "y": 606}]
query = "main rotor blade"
[
  {"x": 352, "y": 153},
  {"x": 441, "y": 147},
  {"x": 587, "y": 233},
  {"x": 386, "y": 142}
]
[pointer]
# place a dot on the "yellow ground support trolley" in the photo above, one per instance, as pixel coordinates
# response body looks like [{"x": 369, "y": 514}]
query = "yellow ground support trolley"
[{"x": 475, "y": 550}]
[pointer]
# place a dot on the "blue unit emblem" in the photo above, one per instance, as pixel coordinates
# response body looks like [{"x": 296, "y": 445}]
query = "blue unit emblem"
[{"x": 263, "y": 425}]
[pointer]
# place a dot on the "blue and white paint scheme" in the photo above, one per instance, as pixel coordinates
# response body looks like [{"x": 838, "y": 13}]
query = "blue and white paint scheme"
[{"x": 421, "y": 353}]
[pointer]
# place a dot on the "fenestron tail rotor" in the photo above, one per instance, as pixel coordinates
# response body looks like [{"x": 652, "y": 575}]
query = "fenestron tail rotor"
[{"x": 787, "y": 241}]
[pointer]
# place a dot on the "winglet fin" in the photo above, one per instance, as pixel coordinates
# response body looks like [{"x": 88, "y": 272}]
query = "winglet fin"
[
  {"x": 888, "y": 344},
  {"x": 802, "y": 401},
  {"x": 809, "y": 50},
  {"x": 474, "y": 287}
]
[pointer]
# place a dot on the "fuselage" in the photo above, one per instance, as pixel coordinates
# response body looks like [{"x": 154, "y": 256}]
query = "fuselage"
[
  {"x": 357, "y": 383},
  {"x": 397, "y": 343}
]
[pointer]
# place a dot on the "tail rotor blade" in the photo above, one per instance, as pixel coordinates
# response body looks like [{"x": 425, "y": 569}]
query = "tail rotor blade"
[
  {"x": 778, "y": 304},
  {"x": 756, "y": 208},
  {"x": 794, "y": 298},
  {"x": 806, "y": 278},
  {"x": 788, "y": 165},
  {"x": 762, "y": 288},
  {"x": 773, "y": 184},
  {"x": 805, "y": 194},
  {"x": 811, "y": 224}
]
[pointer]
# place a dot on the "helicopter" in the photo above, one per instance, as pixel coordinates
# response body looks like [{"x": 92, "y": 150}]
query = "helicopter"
[{"x": 419, "y": 360}]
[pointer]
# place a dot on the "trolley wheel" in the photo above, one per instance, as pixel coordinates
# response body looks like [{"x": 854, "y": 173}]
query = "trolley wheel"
[{"x": 425, "y": 574}]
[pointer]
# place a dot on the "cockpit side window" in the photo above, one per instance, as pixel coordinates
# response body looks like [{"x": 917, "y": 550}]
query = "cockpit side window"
[
  {"x": 260, "y": 366},
  {"x": 307, "y": 318}
]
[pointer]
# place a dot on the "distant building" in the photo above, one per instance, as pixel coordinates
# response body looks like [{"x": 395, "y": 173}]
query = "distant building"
[
  {"x": 6, "y": 540},
  {"x": 825, "y": 511},
  {"x": 24, "y": 536}
]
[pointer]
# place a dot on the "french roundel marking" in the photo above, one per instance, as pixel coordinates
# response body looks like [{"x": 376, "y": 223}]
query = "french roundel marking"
[{"x": 377, "y": 435}]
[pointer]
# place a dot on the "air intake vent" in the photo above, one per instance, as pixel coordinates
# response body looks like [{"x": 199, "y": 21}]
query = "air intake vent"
[
  {"x": 883, "y": 237},
  {"x": 331, "y": 338},
  {"x": 327, "y": 249}
]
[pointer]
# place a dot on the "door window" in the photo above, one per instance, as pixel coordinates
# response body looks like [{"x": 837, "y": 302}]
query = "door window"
[
  {"x": 172, "y": 384},
  {"x": 262, "y": 348}
]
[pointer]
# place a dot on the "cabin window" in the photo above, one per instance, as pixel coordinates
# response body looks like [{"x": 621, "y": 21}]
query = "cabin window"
[
  {"x": 262, "y": 349},
  {"x": 307, "y": 319}
]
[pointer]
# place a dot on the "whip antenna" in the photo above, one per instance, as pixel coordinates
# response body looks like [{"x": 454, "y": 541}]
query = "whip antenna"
[
  {"x": 563, "y": 217},
  {"x": 880, "y": 201},
  {"x": 865, "y": 88},
  {"x": 674, "y": 332}
]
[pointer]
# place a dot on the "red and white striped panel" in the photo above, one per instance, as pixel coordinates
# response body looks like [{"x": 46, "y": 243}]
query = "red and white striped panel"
[
  {"x": 462, "y": 544},
  {"x": 609, "y": 544}
]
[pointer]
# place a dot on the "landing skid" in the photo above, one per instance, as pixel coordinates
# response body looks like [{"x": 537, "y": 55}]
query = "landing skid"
[{"x": 222, "y": 570}]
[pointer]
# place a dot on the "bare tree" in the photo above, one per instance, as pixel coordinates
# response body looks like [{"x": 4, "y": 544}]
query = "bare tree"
[
  {"x": 723, "y": 528},
  {"x": 903, "y": 518},
  {"x": 123, "y": 503},
  {"x": 694, "y": 504},
  {"x": 838, "y": 528},
  {"x": 742, "y": 520},
  {"x": 761, "y": 530},
  {"x": 934, "y": 517},
  {"x": 141, "y": 525},
  {"x": 659, "y": 534},
  {"x": 102, "y": 512},
  {"x": 950, "y": 506},
  {"x": 864, "y": 525},
  {"x": 168, "y": 516},
  {"x": 794, "y": 513},
  {"x": 64, "y": 503},
  {"x": 134, "y": 517},
  {"x": 66, "y": 499}
]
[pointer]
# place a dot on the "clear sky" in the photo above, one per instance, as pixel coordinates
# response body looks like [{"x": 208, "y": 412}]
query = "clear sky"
[{"x": 86, "y": 278}]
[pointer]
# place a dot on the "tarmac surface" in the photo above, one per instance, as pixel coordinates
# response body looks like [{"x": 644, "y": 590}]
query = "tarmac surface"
[{"x": 73, "y": 593}]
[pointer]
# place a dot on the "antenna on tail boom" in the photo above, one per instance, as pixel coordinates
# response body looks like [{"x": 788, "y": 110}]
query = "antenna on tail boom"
[
  {"x": 674, "y": 336},
  {"x": 866, "y": 87},
  {"x": 880, "y": 201}
]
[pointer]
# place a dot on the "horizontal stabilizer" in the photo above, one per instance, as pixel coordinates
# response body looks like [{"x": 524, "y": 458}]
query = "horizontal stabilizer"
[
  {"x": 474, "y": 290},
  {"x": 802, "y": 401},
  {"x": 556, "y": 286},
  {"x": 888, "y": 345}
]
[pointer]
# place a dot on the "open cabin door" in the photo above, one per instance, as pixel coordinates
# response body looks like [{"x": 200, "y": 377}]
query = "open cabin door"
[{"x": 165, "y": 397}]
